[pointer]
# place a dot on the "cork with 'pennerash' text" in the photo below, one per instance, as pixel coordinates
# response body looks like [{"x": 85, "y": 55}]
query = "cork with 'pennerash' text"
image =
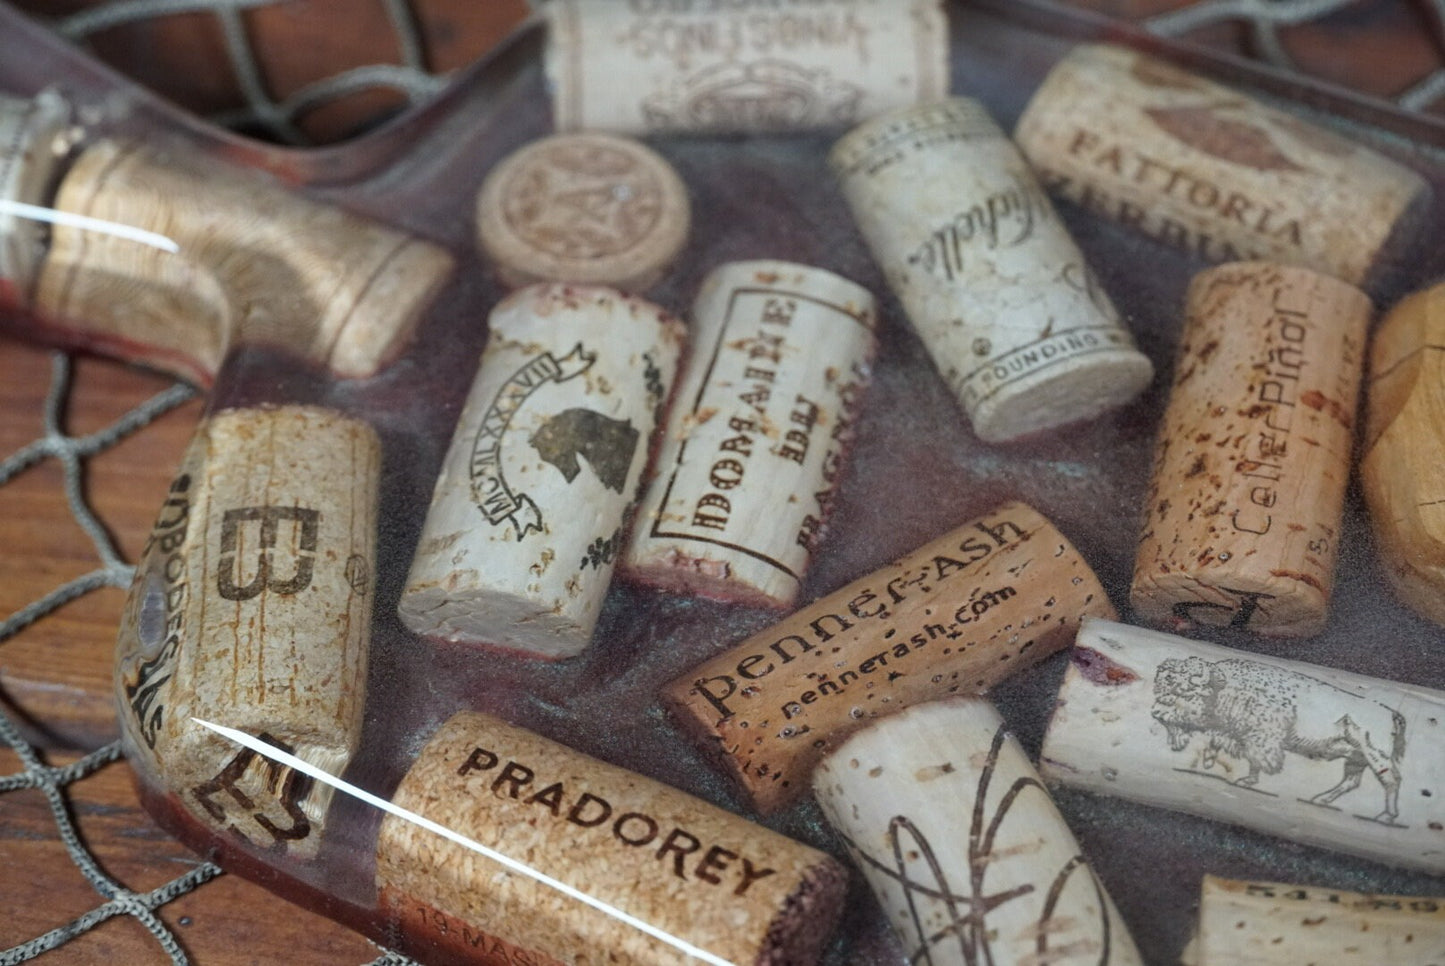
[{"x": 955, "y": 616}]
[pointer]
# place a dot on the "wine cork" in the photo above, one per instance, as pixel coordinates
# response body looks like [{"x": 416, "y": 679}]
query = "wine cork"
[
  {"x": 696, "y": 874},
  {"x": 589, "y": 208},
  {"x": 957, "y": 615},
  {"x": 999, "y": 293},
  {"x": 1019, "y": 890},
  {"x": 1405, "y": 449},
  {"x": 740, "y": 68},
  {"x": 251, "y": 607},
  {"x": 1203, "y": 168},
  {"x": 1245, "y": 505},
  {"x": 1303, "y": 752},
  {"x": 529, "y": 514},
  {"x": 1274, "y": 924},
  {"x": 34, "y": 138},
  {"x": 212, "y": 257},
  {"x": 757, "y": 441}
]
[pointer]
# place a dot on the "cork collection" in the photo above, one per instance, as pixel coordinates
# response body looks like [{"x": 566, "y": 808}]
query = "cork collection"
[{"x": 845, "y": 482}]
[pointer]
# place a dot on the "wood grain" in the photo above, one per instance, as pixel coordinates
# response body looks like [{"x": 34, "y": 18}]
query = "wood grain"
[{"x": 226, "y": 921}]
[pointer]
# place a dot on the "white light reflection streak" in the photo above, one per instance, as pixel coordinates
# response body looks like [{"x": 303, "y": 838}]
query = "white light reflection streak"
[
  {"x": 291, "y": 761},
  {"x": 85, "y": 222}
]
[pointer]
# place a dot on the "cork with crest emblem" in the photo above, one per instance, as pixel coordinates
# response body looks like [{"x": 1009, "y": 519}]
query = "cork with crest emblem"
[{"x": 588, "y": 208}]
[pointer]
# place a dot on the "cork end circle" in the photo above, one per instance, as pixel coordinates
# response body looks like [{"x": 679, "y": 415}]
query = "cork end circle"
[
  {"x": 1062, "y": 396},
  {"x": 586, "y": 208}
]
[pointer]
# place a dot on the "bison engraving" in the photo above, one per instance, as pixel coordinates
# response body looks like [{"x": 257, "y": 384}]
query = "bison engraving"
[{"x": 1258, "y": 712}]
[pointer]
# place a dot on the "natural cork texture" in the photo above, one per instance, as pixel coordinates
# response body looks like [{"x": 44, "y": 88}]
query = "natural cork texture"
[
  {"x": 251, "y": 607},
  {"x": 588, "y": 208},
  {"x": 1308, "y": 753},
  {"x": 956, "y": 616},
  {"x": 1403, "y": 470},
  {"x": 1018, "y": 889},
  {"x": 232, "y": 259},
  {"x": 34, "y": 137},
  {"x": 740, "y": 68},
  {"x": 530, "y": 511},
  {"x": 1275, "y": 924},
  {"x": 1244, "y": 509},
  {"x": 1011, "y": 315},
  {"x": 757, "y": 441},
  {"x": 1204, "y": 168},
  {"x": 698, "y": 874}
]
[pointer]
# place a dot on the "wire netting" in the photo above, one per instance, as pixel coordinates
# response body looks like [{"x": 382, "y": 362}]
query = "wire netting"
[{"x": 1263, "y": 20}]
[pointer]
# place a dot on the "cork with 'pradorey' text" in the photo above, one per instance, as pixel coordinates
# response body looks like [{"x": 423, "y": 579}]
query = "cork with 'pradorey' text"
[{"x": 698, "y": 877}]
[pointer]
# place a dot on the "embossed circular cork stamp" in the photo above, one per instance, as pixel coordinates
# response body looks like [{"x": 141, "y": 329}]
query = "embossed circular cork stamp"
[
  {"x": 1246, "y": 500},
  {"x": 955, "y": 616},
  {"x": 902, "y": 792},
  {"x": 708, "y": 885},
  {"x": 586, "y": 208}
]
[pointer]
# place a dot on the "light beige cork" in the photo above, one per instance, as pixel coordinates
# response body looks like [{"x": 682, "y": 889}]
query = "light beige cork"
[
  {"x": 1244, "y": 508},
  {"x": 740, "y": 68},
  {"x": 251, "y": 607},
  {"x": 1000, "y": 295},
  {"x": 590, "y": 208},
  {"x": 35, "y": 135},
  {"x": 1206, "y": 169},
  {"x": 1403, "y": 469},
  {"x": 1277, "y": 924},
  {"x": 228, "y": 257},
  {"x": 955, "y": 616},
  {"x": 901, "y": 794},
  {"x": 702, "y": 877},
  {"x": 529, "y": 513},
  {"x": 1308, "y": 753},
  {"x": 757, "y": 441}
]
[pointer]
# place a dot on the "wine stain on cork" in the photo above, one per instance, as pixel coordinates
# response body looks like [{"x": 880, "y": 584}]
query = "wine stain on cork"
[{"x": 1099, "y": 668}]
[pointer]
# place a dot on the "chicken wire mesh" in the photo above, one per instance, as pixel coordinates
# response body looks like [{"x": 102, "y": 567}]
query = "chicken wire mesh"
[{"x": 1260, "y": 28}]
